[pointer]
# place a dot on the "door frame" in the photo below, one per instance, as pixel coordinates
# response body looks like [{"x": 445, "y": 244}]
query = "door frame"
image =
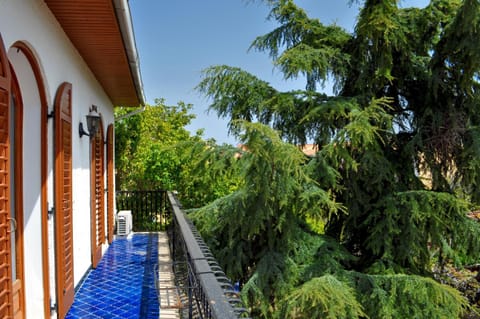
[
  {"x": 18, "y": 285},
  {"x": 25, "y": 49}
]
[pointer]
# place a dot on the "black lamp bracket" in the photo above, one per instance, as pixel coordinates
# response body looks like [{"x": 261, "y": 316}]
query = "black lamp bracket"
[
  {"x": 93, "y": 123},
  {"x": 82, "y": 131}
]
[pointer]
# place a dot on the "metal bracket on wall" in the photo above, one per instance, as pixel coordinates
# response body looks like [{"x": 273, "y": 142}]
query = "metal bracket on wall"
[
  {"x": 53, "y": 305},
  {"x": 51, "y": 114},
  {"x": 51, "y": 212}
]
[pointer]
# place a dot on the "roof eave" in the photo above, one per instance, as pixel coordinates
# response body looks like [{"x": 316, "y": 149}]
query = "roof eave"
[{"x": 102, "y": 33}]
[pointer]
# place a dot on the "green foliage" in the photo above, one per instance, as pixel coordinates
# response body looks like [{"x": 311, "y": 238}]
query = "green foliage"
[
  {"x": 145, "y": 156},
  {"x": 313, "y": 49},
  {"x": 274, "y": 192},
  {"x": 323, "y": 297},
  {"x": 403, "y": 223},
  {"x": 405, "y": 111},
  {"x": 126, "y": 143},
  {"x": 406, "y": 296},
  {"x": 212, "y": 172},
  {"x": 154, "y": 150},
  {"x": 355, "y": 231},
  {"x": 260, "y": 234},
  {"x": 241, "y": 96}
]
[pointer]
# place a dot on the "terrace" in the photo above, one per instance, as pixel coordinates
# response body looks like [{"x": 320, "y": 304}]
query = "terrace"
[{"x": 161, "y": 270}]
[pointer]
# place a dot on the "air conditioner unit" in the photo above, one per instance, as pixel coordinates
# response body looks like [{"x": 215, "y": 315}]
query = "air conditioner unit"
[{"x": 124, "y": 222}]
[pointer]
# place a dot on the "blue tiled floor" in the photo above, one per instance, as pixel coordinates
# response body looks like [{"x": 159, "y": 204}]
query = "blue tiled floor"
[{"x": 122, "y": 286}]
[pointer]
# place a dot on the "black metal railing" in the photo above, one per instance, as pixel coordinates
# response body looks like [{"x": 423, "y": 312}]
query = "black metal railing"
[
  {"x": 205, "y": 292},
  {"x": 209, "y": 290},
  {"x": 149, "y": 209}
]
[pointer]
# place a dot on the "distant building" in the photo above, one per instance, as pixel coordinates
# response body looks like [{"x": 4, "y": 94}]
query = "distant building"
[{"x": 308, "y": 149}]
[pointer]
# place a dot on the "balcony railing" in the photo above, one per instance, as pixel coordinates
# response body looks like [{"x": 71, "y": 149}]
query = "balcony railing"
[
  {"x": 202, "y": 287},
  {"x": 150, "y": 209}
]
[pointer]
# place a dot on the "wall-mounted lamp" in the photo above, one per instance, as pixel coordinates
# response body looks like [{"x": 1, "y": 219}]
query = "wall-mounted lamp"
[{"x": 93, "y": 123}]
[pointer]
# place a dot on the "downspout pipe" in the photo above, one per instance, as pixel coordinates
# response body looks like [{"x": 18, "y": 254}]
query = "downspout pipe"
[
  {"x": 130, "y": 114},
  {"x": 122, "y": 10}
]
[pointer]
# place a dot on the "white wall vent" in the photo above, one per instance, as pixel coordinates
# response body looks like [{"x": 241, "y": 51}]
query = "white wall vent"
[{"x": 124, "y": 222}]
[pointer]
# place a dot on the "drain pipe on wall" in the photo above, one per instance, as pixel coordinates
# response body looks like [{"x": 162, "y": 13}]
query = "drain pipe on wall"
[
  {"x": 125, "y": 22},
  {"x": 130, "y": 114},
  {"x": 124, "y": 18}
]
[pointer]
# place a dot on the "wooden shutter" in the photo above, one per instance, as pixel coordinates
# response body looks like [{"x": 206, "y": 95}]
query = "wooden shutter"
[
  {"x": 110, "y": 187},
  {"x": 6, "y": 310},
  {"x": 63, "y": 198},
  {"x": 98, "y": 197}
]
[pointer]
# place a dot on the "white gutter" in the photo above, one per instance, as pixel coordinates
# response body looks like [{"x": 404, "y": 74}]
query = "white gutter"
[{"x": 124, "y": 18}]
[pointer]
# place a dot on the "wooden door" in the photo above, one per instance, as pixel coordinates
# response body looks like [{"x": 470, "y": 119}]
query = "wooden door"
[
  {"x": 63, "y": 199},
  {"x": 110, "y": 187},
  {"x": 6, "y": 295},
  {"x": 97, "y": 197}
]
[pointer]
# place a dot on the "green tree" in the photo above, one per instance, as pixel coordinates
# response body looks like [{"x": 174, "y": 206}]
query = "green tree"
[
  {"x": 405, "y": 107},
  {"x": 146, "y": 153},
  {"x": 154, "y": 150}
]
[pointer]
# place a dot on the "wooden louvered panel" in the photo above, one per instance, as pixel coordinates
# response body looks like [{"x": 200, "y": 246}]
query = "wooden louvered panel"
[
  {"x": 99, "y": 190},
  {"x": 6, "y": 298},
  {"x": 98, "y": 215},
  {"x": 98, "y": 204},
  {"x": 67, "y": 196},
  {"x": 110, "y": 187},
  {"x": 5, "y": 245},
  {"x": 63, "y": 199}
]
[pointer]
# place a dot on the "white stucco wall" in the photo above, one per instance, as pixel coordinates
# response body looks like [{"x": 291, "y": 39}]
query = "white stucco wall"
[{"x": 31, "y": 22}]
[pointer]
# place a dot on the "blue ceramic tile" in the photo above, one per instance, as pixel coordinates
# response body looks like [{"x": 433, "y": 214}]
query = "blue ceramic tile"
[{"x": 122, "y": 286}]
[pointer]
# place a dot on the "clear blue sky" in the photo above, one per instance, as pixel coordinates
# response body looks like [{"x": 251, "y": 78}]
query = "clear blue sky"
[{"x": 177, "y": 39}]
